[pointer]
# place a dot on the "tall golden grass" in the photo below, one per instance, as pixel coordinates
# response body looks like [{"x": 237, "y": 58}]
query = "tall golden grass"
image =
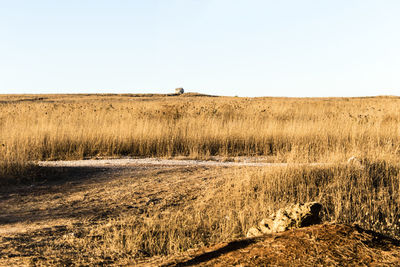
[{"x": 289, "y": 129}]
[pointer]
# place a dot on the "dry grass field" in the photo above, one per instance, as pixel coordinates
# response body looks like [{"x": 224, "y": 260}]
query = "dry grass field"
[
  {"x": 148, "y": 215},
  {"x": 289, "y": 129}
]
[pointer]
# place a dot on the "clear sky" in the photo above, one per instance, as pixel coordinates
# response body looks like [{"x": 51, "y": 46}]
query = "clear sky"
[{"x": 223, "y": 47}]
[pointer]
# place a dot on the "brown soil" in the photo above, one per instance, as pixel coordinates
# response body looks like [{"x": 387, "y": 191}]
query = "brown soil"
[{"x": 319, "y": 245}]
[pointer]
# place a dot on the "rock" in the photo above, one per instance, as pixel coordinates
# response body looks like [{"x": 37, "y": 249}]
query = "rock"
[
  {"x": 253, "y": 232},
  {"x": 265, "y": 224},
  {"x": 293, "y": 216}
]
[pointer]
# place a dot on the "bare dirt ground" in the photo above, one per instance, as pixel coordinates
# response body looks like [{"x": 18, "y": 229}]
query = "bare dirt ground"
[
  {"x": 75, "y": 196},
  {"x": 36, "y": 220}
]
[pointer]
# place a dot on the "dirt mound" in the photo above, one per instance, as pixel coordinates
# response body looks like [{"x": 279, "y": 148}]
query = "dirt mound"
[{"x": 326, "y": 244}]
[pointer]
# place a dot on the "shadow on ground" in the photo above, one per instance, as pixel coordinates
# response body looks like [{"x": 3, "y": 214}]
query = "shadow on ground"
[{"x": 55, "y": 192}]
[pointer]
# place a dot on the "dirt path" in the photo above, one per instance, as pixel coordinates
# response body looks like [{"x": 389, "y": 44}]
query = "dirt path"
[
  {"x": 35, "y": 220},
  {"x": 73, "y": 193},
  {"x": 249, "y": 162},
  {"x": 79, "y": 189}
]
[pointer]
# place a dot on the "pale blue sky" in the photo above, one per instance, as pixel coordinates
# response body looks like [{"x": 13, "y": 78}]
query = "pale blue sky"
[{"x": 223, "y": 47}]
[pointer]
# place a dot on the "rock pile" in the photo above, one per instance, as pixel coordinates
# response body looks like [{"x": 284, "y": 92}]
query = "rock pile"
[{"x": 293, "y": 216}]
